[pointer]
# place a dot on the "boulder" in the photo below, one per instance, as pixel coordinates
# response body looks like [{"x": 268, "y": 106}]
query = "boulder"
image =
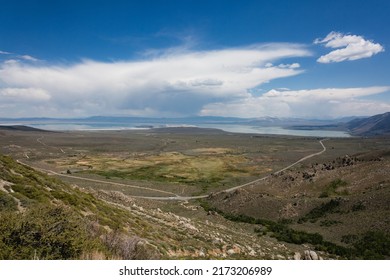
[
  {"x": 297, "y": 256},
  {"x": 311, "y": 255}
]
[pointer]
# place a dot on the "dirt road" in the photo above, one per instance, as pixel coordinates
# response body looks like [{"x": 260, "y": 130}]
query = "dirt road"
[{"x": 173, "y": 196}]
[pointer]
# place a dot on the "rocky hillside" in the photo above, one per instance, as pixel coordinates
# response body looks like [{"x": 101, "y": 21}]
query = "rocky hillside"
[
  {"x": 340, "y": 206},
  {"x": 375, "y": 125},
  {"x": 43, "y": 218}
]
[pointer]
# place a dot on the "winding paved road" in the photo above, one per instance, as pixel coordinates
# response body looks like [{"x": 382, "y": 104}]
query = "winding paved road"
[{"x": 175, "y": 196}]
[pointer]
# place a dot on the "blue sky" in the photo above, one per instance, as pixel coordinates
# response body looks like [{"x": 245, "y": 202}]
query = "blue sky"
[{"x": 320, "y": 59}]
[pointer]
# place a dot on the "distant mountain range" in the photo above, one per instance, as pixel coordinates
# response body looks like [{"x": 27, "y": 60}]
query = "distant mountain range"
[
  {"x": 262, "y": 121},
  {"x": 357, "y": 126},
  {"x": 375, "y": 125}
]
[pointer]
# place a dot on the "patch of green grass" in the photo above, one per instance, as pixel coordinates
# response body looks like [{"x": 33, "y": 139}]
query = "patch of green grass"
[
  {"x": 32, "y": 192},
  {"x": 331, "y": 189},
  {"x": 155, "y": 173},
  {"x": 7, "y": 203}
]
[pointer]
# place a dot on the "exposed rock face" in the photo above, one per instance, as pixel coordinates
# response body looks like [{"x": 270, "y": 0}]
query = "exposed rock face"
[
  {"x": 313, "y": 255},
  {"x": 114, "y": 196},
  {"x": 307, "y": 255},
  {"x": 310, "y": 255},
  {"x": 230, "y": 252}
]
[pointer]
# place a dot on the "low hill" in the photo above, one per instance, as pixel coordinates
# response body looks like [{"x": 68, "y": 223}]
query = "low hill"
[
  {"x": 375, "y": 125},
  {"x": 21, "y": 128}
]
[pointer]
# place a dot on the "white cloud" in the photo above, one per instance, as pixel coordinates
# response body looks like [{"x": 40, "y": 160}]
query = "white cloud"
[
  {"x": 168, "y": 84},
  {"x": 325, "y": 93},
  {"x": 291, "y": 66},
  {"x": 3, "y": 52},
  {"x": 174, "y": 83},
  {"x": 23, "y": 95},
  {"x": 327, "y": 102},
  {"x": 29, "y": 58},
  {"x": 348, "y": 47}
]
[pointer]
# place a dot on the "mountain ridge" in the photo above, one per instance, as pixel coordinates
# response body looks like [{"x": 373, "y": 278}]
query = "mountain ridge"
[
  {"x": 376, "y": 125},
  {"x": 372, "y": 126}
]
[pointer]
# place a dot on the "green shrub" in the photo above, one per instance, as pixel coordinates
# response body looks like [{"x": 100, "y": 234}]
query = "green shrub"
[
  {"x": 7, "y": 202},
  {"x": 372, "y": 245},
  {"x": 359, "y": 206},
  {"x": 349, "y": 238},
  {"x": 48, "y": 232},
  {"x": 320, "y": 211},
  {"x": 328, "y": 223}
]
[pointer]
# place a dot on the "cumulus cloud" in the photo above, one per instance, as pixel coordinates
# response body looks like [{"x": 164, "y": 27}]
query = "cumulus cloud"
[
  {"x": 168, "y": 84},
  {"x": 348, "y": 47},
  {"x": 327, "y": 102}
]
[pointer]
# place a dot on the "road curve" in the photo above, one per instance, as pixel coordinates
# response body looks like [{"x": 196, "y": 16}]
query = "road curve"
[
  {"x": 97, "y": 181},
  {"x": 177, "y": 197}
]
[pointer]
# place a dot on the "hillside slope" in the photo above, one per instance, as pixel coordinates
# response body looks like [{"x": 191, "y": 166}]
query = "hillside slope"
[
  {"x": 375, "y": 125},
  {"x": 44, "y": 218},
  {"x": 341, "y": 206},
  {"x": 21, "y": 128},
  {"x": 41, "y": 217}
]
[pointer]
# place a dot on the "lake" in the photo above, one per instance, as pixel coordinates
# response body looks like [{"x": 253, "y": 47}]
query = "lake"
[{"x": 237, "y": 128}]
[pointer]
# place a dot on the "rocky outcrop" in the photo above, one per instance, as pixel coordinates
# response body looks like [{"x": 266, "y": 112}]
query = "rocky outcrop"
[{"x": 307, "y": 255}]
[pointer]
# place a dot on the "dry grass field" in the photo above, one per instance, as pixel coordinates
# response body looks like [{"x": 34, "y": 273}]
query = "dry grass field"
[
  {"x": 333, "y": 202},
  {"x": 195, "y": 162}
]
